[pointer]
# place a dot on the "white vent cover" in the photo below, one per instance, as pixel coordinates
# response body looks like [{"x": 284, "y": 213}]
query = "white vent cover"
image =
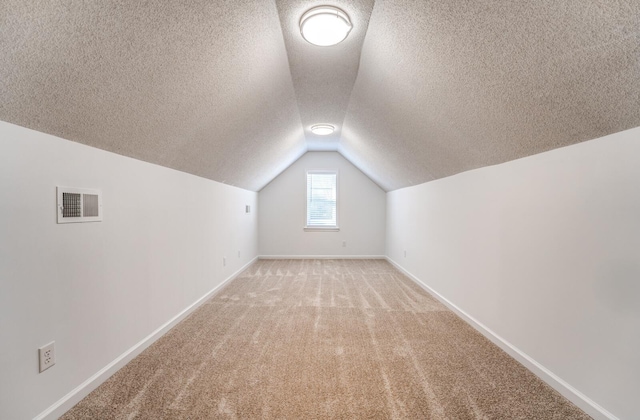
[{"x": 79, "y": 205}]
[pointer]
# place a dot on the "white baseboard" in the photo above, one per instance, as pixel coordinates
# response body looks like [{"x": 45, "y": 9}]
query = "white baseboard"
[
  {"x": 72, "y": 398},
  {"x": 322, "y": 257},
  {"x": 579, "y": 399}
]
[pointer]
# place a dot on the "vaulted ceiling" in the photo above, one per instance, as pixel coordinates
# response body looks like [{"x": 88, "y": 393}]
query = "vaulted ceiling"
[{"x": 228, "y": 90}]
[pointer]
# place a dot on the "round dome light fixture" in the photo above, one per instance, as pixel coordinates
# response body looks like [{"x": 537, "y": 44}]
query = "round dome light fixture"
[
  {"x": 325, "y": 26},
  {"x": 322, "y": 129}
]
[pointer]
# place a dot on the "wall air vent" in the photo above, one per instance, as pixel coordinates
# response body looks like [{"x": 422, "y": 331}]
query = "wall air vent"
[{"x": 77, "y": 205}]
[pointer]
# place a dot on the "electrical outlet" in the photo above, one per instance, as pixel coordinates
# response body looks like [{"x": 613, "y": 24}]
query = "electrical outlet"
[
  {"x": 224, "y": 261},
  {"x": 405, "y": 253},
  {"x": 344, "y": 244},
  {"x": 47, "y": 356},
  {"x": 238, "y": 254}
]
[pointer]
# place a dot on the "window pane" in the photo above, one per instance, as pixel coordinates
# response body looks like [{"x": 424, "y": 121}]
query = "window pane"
[{"x": 321, "y": 199}]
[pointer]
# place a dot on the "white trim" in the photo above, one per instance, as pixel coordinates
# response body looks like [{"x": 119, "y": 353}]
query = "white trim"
[
  {"x": 72, "y": 398},
  {"x": 308, "y": 228},
  {"x": 321, "y": 229},
  {"x": 321, "y": 257},
  {"x": 578, "y": 398}
]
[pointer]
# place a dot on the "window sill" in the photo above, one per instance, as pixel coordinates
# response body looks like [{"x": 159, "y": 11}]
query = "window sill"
[{"x": 321, "y": 229}]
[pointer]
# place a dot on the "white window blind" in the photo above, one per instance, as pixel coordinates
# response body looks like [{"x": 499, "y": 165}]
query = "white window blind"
[{"x": 321, "y": 199}]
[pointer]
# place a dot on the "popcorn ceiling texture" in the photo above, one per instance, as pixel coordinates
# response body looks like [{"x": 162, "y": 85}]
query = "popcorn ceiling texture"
[
  {"x": 448, "y": 86},
  {"x": 323, "y": 76},
  {"x": 201, "y": 86},
  {"x": 227, "y": 90},
  {"x": 315, "y": 339}
]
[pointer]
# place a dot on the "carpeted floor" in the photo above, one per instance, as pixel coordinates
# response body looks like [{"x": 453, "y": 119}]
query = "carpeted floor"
[{"x": 310, "y": 339}]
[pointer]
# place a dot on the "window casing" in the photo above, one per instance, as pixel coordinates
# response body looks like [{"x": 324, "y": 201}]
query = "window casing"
[{"x": 322, "y": 200}]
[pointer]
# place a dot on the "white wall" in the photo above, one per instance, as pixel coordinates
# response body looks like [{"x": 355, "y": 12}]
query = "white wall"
[
  {"x": 544, "y": 251},
  {"x": 97, "y": 289},
  {"x": 361, "y": 212}
]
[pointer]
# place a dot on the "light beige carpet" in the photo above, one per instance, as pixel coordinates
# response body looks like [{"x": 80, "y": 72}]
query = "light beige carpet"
[{"x": 310, "y": 339}]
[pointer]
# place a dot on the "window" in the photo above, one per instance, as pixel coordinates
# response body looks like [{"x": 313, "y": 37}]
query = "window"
[{"x": 322, "y": 193}]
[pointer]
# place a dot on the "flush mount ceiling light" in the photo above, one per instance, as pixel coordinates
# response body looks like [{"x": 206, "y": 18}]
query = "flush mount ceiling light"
[
  {"x": 322, "y": 129},
  {"x": 325, "y": 25}
]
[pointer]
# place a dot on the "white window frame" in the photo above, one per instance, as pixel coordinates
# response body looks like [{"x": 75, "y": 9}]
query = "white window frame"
[{"x": 335, "y": 228}]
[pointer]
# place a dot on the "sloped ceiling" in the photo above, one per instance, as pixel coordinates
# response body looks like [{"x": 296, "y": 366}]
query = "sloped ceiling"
[
  {"x": 227, "y": 90},
  {"x": 200, "y": 86},
  {"x": 323, "y": 76},
  {"x": 448, "y": 86}
]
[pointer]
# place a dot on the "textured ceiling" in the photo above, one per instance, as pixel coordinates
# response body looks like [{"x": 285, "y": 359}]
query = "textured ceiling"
[
  {"x": 227, "y": 90},
  {"x": 448, "y": 86},
  {"x": 200, "y": 86},
  {"x": 323, "y": 76}
]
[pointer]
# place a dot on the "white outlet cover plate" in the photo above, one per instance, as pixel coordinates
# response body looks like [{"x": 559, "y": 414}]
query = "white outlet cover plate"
[{"x": 47, "y": 356}]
